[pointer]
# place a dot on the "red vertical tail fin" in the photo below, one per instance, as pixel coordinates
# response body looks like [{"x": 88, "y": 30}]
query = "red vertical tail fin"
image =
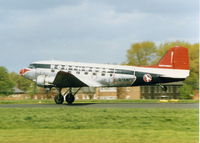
[{"x": 176, "y": 58}]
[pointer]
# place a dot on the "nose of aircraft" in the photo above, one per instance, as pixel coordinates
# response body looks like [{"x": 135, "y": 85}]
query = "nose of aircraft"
[{"x": 23, "y": 71}]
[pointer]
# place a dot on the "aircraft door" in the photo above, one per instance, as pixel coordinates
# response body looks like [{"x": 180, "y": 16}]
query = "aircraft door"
[{"x": 52, "y": 68}]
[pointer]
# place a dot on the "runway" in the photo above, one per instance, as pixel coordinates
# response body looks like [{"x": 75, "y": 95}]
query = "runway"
[{"x": 105, "y": 105}]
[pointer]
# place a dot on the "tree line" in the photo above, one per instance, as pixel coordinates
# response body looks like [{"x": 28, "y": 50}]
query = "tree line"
[
  {"x": 141, "y": 53},
  {"x": 148, "y": 53},
  {"x": 10, "y": 80}
]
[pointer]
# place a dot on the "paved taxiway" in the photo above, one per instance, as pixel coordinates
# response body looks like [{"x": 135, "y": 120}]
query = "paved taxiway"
[{"x": 105, "y": 105}]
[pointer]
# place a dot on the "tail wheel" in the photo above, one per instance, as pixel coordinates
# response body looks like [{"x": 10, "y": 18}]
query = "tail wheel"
[
  {"x": 59, "y": 99},
  {"x": 163, "y": 87},
  {"x": 70, "y": 98}
]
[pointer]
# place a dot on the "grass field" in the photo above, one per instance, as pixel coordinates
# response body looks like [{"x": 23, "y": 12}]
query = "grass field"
[
  {"x": 51, "y": 101},
  {"x": 88, "y": 125}
]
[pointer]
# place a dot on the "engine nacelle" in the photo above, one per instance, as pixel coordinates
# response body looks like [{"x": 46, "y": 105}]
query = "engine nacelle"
[{"x": 44, "y": 81}]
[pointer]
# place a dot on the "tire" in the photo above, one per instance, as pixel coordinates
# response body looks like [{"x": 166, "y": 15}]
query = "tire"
[
  {"x": 59, "y": 99},
  {"x": 69, "y": 98}
]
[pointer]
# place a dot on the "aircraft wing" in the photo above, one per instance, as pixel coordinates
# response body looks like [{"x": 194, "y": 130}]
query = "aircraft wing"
[{"x": 65, "y": 79}]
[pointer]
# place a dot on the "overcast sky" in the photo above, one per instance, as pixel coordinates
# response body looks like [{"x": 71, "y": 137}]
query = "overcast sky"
[{"x": 89, "y": 30}]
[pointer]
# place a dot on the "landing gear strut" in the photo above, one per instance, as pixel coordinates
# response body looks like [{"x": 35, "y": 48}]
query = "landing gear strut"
[{"x": 69, "y": 96}]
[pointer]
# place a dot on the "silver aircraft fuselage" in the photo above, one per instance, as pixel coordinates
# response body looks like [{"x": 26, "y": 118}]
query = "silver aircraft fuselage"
[
  {"x": 100, "y": 75},
  {"x": 174, "y": 66}
]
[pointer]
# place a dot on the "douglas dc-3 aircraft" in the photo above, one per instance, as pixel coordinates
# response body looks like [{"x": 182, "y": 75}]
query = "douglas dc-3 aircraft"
[{"x": 174, "y": 66}]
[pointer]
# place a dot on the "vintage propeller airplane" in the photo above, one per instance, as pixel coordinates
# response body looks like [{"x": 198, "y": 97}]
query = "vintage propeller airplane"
[{"x": 174, "y": 66}]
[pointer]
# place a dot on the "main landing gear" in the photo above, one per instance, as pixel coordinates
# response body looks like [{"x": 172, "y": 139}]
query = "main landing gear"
[{"x": 68, "y": 95}]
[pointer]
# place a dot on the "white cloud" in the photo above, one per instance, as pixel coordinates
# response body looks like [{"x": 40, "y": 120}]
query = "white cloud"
[{"x": 92, "y": 31}]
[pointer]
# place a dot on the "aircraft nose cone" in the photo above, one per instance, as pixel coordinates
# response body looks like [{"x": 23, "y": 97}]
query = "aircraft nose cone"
[{"x": 23, "y": 71}]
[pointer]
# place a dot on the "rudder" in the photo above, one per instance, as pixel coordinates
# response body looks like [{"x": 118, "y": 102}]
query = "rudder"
[{"x": 176, "y": 58}]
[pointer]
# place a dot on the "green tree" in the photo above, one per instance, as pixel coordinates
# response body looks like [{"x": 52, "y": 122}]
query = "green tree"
[
  {"x": 186, "y": 91},
  {"x": 21, "y": 82},
  {"x": 164, "y": 47},
  {"x": 147, "y": 53},
  {"x": 143, "y": 53},
  {"x": 6, "y": 84},
  {"x": 193, "y": 79}
]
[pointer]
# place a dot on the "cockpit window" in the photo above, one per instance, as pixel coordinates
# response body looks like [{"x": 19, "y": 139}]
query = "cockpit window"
[
  {"x": 46, "y": 66},
  {"x": 31, "y": 66}
]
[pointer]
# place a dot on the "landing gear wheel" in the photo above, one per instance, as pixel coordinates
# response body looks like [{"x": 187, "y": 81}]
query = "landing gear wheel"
[
  {"x": 70, "y": 98},
  {"x": 59, "y": 99}
]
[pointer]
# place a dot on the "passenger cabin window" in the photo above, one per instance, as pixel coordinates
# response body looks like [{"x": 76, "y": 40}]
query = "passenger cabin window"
[
  {"x": 64, "y": 67},
  {"x": 110, "y": 71},
  {"x": 31, "y": 66},
  {"x": 120, "y": 71},
  {"x": 45, "y": 66}
]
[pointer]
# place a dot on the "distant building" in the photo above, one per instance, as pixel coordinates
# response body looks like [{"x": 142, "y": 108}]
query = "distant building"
[
  {"x": 17, "y": 91},
  {"x": 106, "y": 93},
  {"x": 109, "y": 93},
  {"x": 86, "y": 93},
  {"x": 17, "y": 94},
  {"x": 156, "y": 92},
  {"x": 138, "y": 92},
  {"x": 128, "y": 92}
]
